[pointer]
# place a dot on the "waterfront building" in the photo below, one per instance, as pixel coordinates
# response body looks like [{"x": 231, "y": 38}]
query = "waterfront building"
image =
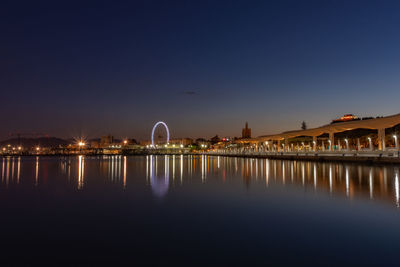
[
  {"x": 181, "y": 141},
  {"x": 215, "y": 139},
  {"x": 106, "y": 140}
]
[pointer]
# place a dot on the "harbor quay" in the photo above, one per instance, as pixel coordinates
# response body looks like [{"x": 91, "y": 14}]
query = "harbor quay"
[
  {"x": 369, "y": 157},
  {"x": 349, "y": 138}
]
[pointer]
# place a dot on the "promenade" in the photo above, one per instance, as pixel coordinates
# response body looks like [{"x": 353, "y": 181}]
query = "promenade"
[{"x": 384, "y": 157}]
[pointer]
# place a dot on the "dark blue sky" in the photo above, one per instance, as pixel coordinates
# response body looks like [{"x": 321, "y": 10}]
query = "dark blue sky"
[{"x": 204, "y": 67}]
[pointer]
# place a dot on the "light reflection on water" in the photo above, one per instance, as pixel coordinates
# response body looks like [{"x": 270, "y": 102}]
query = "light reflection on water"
[{"x": 379, "y": 183}]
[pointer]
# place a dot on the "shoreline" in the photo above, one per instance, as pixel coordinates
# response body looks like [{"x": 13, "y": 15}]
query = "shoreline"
[
  {"x": 370, "y": 160},
  {"x": 321, "y": 158}
]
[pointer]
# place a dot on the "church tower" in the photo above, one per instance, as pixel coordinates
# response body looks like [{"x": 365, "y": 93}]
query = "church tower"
[{"x": 246, "y": 132}]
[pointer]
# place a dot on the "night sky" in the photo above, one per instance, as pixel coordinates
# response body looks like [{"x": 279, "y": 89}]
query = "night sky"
[{"x": 204, "y": 67}]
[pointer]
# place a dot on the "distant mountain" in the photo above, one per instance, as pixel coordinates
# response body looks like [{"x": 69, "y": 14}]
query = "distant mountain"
[{"x": 33, "y": 142}]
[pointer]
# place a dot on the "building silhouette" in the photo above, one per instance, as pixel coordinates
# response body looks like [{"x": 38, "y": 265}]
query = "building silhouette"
[{"x": 246, "y": 132}]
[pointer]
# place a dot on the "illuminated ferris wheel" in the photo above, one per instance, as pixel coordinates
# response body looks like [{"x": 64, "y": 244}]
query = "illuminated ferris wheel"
[{"x": 158, "y": 134}]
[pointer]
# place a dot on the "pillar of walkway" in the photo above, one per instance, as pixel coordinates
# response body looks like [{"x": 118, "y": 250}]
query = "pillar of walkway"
[
  {"x": 279, "y": 145},
  {"x": 381, "y": 139},
  {"x": 339, "y": 147},
  {"x": 315, "y": 143},
  {"x": 323, "y": 145},
  {"x": 287, "y": 145},
  {"x": 332, "y": 139},
  {"x": 358, "y": 144}
]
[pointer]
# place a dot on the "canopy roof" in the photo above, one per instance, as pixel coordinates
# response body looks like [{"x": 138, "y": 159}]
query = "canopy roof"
[{"x": 378, "y": 123}]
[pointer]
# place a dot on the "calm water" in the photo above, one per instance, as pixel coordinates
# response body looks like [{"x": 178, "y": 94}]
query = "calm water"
[{"x": 198, "y": 210}]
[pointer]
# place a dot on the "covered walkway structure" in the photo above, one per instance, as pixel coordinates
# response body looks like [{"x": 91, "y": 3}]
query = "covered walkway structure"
[
  {"x": 339, "y": 136},
  {"x": 375, "y": 136}
]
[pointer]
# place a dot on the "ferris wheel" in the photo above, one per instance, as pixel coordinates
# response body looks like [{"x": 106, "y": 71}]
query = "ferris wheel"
[{"x": 157, "y": 136}]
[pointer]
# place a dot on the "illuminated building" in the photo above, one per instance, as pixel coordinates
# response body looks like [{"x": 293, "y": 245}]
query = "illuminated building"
[{"x": 106, "y": 140}]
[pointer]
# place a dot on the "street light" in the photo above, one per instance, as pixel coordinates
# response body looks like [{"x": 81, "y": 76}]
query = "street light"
[{"x": 125, "y": 142}]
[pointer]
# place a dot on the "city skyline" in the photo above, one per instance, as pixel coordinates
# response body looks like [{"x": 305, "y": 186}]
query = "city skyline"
[{"x": 204, "y": 68}]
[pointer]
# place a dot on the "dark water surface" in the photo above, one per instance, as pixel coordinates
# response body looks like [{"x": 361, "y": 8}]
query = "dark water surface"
[{"x": 197, "y": 210}]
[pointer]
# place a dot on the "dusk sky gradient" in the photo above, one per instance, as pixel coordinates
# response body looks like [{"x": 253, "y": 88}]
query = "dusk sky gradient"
[{"x": 204, "y": 67}]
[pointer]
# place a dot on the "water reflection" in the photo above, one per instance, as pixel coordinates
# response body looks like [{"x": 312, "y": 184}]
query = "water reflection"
[
  {"x": 81, "y": 172},
  {"x": 10, "y": 170},
  {"x": 396, "y": 186},
  {"x": 159, "y": 182},
  {"x": 378, "y": 183},
  {"x": 37, "y": 171},
  {"x": 124, "y": 181}
]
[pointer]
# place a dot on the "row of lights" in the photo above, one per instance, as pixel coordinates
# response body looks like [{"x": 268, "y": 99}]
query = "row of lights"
[
  {"x": 166, "y": 145},
  {"x": 14, "y": 148},
  {"x": 346, "y": 140}
]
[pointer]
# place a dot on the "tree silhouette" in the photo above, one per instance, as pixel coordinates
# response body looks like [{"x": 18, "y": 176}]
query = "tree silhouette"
[{"x": 303, "y": 125}]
